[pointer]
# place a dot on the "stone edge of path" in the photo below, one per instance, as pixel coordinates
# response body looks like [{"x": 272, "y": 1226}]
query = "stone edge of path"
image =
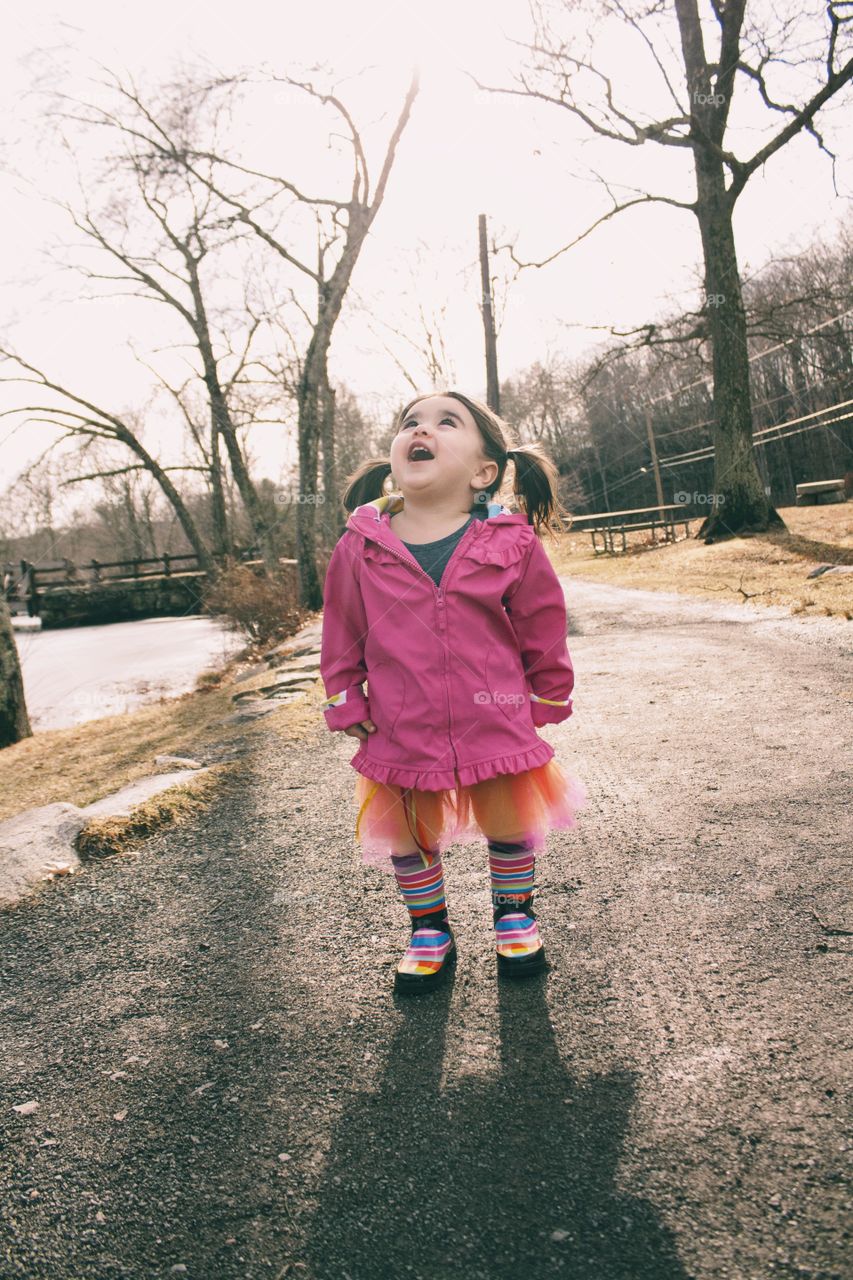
[
  {"x": 294, "y": 668},
  {"x": 40, "y": 844}
]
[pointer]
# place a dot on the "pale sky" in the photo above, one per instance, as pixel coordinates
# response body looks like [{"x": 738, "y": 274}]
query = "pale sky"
[{"x": 464, "y": 152}]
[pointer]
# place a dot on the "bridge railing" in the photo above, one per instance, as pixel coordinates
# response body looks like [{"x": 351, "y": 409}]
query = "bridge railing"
[
  {"x": 45, "y": 576},
  {"x": 25, "y": 581}
]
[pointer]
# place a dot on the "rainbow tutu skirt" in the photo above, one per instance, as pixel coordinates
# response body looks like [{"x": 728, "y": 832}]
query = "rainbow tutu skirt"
[{"x": 510, "y": 807}]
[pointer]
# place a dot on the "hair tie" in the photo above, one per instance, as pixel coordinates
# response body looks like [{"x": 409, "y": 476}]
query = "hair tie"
[{"x": 510, "y": 453}]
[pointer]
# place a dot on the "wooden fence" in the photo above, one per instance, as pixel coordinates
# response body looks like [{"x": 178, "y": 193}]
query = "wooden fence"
[{"x": 26, "y": 584}]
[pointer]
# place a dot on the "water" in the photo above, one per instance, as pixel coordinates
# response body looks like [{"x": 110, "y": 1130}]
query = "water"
[{"x": 84, "y": 673}]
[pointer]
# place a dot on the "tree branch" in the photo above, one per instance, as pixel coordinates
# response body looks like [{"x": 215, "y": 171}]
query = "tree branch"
[
  {"x": 605, "y": 217},
  {"x": 802, "y": 120},
  {"x": 123, "y": 471}
]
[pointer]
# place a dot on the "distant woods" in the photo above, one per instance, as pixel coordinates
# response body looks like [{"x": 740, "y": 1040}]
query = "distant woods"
[{"x": 592, "y": 413}]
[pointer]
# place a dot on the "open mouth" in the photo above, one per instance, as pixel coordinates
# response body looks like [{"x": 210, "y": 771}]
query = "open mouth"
[{"x": 420, "y": 453}]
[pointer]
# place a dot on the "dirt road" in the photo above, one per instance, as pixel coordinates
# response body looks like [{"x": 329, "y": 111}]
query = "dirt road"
[{"x": 227, "y": 1087}]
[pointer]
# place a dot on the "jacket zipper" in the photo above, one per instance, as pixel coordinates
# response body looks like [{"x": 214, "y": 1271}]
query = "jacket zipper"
[
  {"x": 413, "y": 564},
  {"x": 440, "y": 594}
]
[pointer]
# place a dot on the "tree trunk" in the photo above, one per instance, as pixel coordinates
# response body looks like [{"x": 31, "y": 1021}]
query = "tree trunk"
[
  {"x": 221, "y": 541},
  {"x": 14, "y": 721},
  {"x": 223, "y": 425},
  {"x": 137, "y": 538},
  {"x": 315, "y": 377},
  {"x": 605, "y": 496},
  {"x": 261, "y": 531},
  {"x": 803, "y": 403},
  {"x": 740, "y": 502},
  {"x": 493, "y": 395},
  {"x": 330, "y": 470},
  {"x": 310, "y": 588},
  {"x": 169, "y": 491}
]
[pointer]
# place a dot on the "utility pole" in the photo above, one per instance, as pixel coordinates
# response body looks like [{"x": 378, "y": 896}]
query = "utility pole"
[
  {"x": 654, "y": 456},
  {"x": 493, "y": 398}
]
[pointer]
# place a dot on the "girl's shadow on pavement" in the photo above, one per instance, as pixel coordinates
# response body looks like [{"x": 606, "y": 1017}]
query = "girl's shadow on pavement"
[{"x": 495, "y": 1176}]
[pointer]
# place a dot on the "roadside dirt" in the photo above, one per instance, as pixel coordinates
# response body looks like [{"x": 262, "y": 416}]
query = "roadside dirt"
[
  {"x": 767, "y": 569},
  {"x": 227, "y": 1087}
]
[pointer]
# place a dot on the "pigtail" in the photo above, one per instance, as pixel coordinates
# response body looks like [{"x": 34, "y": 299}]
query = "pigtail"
[
  {"x": 536, "y": 488},
  {"x": 366, "y": 483}
]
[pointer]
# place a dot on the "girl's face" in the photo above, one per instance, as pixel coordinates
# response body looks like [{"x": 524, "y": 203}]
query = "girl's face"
[{"x": 439, "y": 449}]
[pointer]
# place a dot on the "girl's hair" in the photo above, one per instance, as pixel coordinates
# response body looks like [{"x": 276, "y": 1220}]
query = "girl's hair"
[{"x": 535, "y": 476}]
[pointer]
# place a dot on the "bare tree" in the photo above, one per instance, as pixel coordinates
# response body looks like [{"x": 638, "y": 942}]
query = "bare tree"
[
  {"x": 426, "y": 360},
  {"x": 126, "y": 511},
  {"x": 747, "y": 56},
  {"x": 421, "y": 354},
  {"x": 38, "y": 488},
  {"x": 206, "y": 441},
  {"x": 200, "y": 202},
  {"x": 343, "y": 223},
  {"x": 165, "y": 234},
  {"x": 86, "y": 421},
  {"x": 14, "y": 721}
]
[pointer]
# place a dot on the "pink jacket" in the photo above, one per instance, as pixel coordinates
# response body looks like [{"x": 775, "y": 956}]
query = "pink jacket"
[{"x": 458, "y": 675}]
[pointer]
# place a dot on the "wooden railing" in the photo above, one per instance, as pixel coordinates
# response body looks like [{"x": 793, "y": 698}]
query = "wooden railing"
[
  {"x": 67, "y": 574},
  {"x": 26, "y": 581}
]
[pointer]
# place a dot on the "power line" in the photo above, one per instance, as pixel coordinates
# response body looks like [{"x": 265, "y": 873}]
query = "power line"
[
  {"x": 707, "y": 450},
  {"x": 759, "y": 355},
  {"x": 844, "y": 417},
  {"x": 611, "y": 488},
  {"x": 814, "y": 426},
  {"x": 759, "y": 404}
]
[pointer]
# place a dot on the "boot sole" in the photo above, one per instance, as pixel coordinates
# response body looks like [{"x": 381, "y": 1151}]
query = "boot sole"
[
  {"x": 415, "y": 984},
  {"x": 522, "y": 968}
]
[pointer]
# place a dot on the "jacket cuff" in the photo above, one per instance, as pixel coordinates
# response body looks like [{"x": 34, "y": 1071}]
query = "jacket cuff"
[
  {"x": 544, "y": 711},
  {"x": 346, "y": 708}
]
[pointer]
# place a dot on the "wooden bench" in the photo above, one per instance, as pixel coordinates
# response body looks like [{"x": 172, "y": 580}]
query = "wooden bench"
[
  {"x": 817, "y": 492},
  {"x": 606, "y": 524}
]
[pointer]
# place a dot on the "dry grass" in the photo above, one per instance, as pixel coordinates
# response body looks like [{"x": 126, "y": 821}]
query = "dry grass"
[
  {"x": 831, "y": 523},
  {"x": 766, "y": 568},
  {"x": 104, "y": 836},
  {"x": 296, "y": 720},
  {"x": 83, "y": 763},
  {"x": 87, "y": 761}
]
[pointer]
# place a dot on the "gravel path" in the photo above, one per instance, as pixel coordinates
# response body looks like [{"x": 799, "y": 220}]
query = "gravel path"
[{"x": 228, "y": 1088}]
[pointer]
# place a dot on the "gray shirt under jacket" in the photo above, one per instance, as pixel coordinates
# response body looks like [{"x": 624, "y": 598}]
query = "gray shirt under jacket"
[{"x": 433, "y": 556}]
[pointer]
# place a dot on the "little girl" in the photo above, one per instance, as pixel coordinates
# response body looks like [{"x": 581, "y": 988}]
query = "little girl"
[{"x": 446, "y": 603}]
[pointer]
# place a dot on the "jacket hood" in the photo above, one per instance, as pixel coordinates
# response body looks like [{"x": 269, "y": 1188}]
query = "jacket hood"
[{"x": 372, "y": 517}]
